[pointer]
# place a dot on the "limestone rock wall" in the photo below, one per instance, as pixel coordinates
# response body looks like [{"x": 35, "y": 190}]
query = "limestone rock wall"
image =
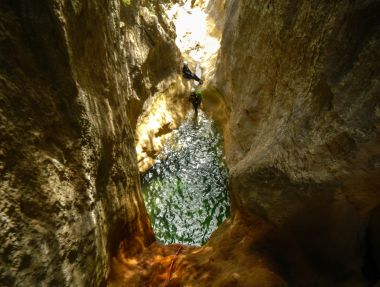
[
  {"x": 296, "y": 90},
  {"x": 164, "y": 113},
  {"x": 157, "y": 92},
  {"x": 299, "y": 82},
  {"x": 198, "y": 30},
  {"x": 69, "y": 181},
  {"x": 302, "y": 81},
  {"x": 149, "y": 55}
]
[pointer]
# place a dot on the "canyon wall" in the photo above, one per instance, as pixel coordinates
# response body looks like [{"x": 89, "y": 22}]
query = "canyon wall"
[
  {"x": 296, "y": 90},
  {"x": 149, "y": 56},
  {"x": 302, "y": 81},
  {"x": 70, "y": 189},
  {"x": 158, "y": 93}
]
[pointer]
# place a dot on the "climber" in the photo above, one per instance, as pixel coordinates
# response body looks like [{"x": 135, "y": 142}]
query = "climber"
[
  {"x": 188, "y": 74},
  {"x": 195, "y": 99}
]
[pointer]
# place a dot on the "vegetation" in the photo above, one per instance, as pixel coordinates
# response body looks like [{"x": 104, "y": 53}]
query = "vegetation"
[
  {"x": 153, "y": 3},
  {"x": 151, "y": 9},
  {"x": 159, "y": 1},
  {"x": 225, "y": 5}
]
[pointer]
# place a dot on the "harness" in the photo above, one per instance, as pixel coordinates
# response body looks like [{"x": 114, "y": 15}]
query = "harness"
[{"x": 195, "y": 98}]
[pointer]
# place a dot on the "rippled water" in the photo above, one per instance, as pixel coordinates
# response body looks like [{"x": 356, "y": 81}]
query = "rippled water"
[{"x": 186, "y": 191}]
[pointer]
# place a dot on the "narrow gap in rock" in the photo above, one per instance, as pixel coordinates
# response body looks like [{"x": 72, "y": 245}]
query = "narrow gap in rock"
[
  {"x": 198, "y": 72},
  {"x": 370, "y": 269}
]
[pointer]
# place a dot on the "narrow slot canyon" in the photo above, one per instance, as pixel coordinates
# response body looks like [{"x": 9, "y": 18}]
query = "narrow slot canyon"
[{"x": 107, "y": 177}]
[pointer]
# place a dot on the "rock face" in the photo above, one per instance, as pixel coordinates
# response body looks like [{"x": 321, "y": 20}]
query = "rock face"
[
  {"x": 70, "y": 189},
  {"x": 160, "y": 116},
  {"x": 296, "y": 88},
  {"x": 149, "y": 55},
  {"x": 157, "y": 92},
  {"x": 162, "y": 102},
  {"x": 302, "y": 81}
]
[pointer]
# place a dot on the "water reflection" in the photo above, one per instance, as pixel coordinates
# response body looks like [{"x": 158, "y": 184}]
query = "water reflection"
[{"x": 186, "y": 192}]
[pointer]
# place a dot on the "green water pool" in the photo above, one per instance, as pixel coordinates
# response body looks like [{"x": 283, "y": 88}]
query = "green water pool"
[{"x": 186, "y": 192}]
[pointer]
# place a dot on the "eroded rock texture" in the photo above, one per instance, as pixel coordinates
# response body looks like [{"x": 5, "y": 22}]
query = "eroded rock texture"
[
  {"x": 302, "y": 81},
  {"x": 157, "y": 92},
  {"x": 150, "y": 56},
  {"x": 70, "y": 189}
]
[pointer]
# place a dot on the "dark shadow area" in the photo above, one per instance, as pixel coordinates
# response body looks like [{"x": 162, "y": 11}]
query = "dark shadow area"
[
  {"x": 371, "y": 264},
  {"x": 315, "y": 246},
  {"x": 370, "y": 267},
  {"x": 163, "y": 131}
]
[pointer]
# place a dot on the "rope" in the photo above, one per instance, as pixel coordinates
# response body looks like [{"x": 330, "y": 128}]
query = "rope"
[{"x": 170, "y": 269}]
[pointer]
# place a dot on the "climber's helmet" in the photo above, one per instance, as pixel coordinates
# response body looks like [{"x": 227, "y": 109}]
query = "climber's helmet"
[
  {"x": 192, "y": 90},
  {"x": 185, "y": 63}
]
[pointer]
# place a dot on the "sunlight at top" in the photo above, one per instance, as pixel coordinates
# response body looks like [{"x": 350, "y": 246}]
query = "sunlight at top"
[{"x": 192, "y": 28}]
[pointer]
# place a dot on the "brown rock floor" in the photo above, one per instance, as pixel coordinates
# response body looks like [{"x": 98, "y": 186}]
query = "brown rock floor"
[{"x": 230, "y": 258}]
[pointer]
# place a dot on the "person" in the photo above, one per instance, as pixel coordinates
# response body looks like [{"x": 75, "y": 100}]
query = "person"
[
  {"x": 195, "y": 100},
  {"x": 188, "y": 74}
]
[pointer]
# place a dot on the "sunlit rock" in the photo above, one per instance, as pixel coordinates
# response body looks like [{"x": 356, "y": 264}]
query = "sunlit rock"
[
  {"x": 69, "y": 183},
  {"x": 294, "y": 86}
]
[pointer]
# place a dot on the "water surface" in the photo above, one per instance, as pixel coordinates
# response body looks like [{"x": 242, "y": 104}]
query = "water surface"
[{"x": 186, "y": 191}]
